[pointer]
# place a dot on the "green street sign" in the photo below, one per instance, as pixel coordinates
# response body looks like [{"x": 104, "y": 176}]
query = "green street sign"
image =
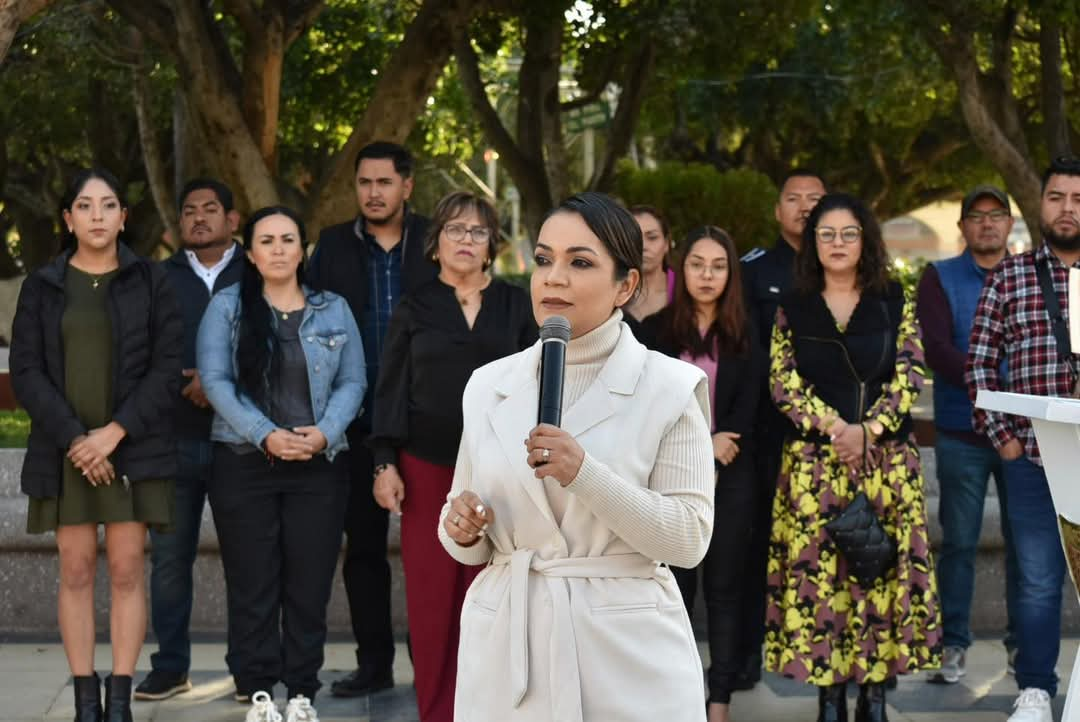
[{"x": 593, "y": 115}]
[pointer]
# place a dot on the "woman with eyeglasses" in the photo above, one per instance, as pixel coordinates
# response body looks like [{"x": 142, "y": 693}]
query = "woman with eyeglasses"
[
  {"x": 707, "y": 325},
  {"x": 437, "y": 337},
  {"x": 846, "y": 367}
]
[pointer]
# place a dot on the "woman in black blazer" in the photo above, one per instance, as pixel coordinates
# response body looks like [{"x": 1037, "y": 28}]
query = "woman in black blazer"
[
  {"x": 439, "y": 334},
  {"x": 95, "y": 360},
  {"x": 707, "y": 325}
]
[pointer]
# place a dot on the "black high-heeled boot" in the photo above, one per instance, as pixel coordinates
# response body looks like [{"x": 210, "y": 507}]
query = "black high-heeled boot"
[
  {"x": 87, "y": 698},
  {"x": 118, "y": 698},
  {"x": 832, "y": 703},
  {"x": 871, "y": 704}
]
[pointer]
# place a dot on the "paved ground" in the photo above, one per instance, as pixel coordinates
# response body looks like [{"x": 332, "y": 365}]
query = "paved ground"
[{"x": 34, "y": 685}]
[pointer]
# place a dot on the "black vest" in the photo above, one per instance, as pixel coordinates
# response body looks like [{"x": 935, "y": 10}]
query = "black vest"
[{"x": 847, "y": 369}]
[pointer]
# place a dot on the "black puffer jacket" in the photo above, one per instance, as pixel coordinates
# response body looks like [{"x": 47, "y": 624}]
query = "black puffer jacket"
[{"x": 148, "y": 340}]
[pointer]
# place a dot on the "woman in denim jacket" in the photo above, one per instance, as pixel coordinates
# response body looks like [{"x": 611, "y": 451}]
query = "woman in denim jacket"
[{"x": 283, "y": 367}]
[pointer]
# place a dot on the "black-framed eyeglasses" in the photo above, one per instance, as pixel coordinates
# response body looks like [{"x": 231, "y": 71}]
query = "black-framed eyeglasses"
[
  {"x": 847, "y": 234},
  {"x": 456, "y": 232},
  {"x": 997, "y": 215}
]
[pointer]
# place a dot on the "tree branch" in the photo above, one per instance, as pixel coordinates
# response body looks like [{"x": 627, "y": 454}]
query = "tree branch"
[
  {"x": 300, "y": 17},
  {"x": 622, "y": 125},
  {"x": 246, "y": 14},
  {"x": 469, "y": 73},
  {"x": 593, "y": 95},
  {"x": 1013, "y": 162},
  {"x": 153, "y": 19},
  {"x": 405, "y": 82},
  {"x": 156, "y": 175}
]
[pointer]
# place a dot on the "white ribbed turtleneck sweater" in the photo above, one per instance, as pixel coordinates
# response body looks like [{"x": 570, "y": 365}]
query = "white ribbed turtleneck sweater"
[{"x": 664, "y": 521}]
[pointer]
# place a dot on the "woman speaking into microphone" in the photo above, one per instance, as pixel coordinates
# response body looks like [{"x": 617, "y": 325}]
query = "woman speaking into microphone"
[{"x": 577, "y": 521}]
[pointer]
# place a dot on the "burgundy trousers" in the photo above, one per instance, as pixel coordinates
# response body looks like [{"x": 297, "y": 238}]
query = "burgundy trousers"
[{"x": 435, "y": 586}]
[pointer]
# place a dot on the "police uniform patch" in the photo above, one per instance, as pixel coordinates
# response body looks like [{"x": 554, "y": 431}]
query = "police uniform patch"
[{"x": 753, "y": 255}]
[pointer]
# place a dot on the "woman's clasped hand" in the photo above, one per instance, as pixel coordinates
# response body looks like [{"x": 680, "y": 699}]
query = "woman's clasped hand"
[
  {"x": 848, "y": 442},
  {"x": 90, "y": 453},
  {"x": 469, "y": 519},
  {"x": 300, "y": 444}
]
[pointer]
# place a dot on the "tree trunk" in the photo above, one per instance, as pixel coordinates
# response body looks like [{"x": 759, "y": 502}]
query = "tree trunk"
[
  {"x": 539, "y": 104},
  {"x": 527, "y": 172},
  {"x": 219, "y": 110},
  {"x": 631, "y": 99},
  {"x": 14, "y": 13},
  {"x": 156, "y": 173},
  {"x": 37, "y": 236},
  {"x": 1055, "y": 119},
  {"x": 264, "y": 61},
  {"x": 982, "y": 112},
  {"x": 405, "y": 82}
]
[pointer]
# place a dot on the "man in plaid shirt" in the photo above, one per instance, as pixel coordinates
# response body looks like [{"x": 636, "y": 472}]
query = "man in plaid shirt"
[{"x": 1012, "y": 323}]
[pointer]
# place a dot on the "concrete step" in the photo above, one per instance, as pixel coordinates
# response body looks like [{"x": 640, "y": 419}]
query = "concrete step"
[{"x": 28, "y": 569}]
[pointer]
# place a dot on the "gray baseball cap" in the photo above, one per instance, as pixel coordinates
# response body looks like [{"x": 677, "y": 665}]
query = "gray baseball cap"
[{"x": 983, "y": 191}]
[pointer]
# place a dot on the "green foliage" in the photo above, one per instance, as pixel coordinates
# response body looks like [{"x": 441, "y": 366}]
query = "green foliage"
[
  {"x": 908, "y": 273},
  {"x": 695, "y": 194},
  {"x": 14, "y": 429}
]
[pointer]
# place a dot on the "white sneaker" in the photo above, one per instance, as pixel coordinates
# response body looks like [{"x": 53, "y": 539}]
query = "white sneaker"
[
  {"x": 300, "y": 710},
  {"x": 262, "y": 709},
  {"x": 1033, "y": 705}
]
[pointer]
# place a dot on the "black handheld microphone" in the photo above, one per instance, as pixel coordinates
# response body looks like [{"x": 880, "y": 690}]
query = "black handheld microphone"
[{"x": 554, "y": 335}]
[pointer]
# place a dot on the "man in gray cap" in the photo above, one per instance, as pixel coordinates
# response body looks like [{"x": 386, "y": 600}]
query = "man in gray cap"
[{"x": 948, "y": 295}]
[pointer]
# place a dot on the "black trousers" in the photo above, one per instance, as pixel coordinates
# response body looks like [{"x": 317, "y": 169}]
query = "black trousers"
[
  {"x": 279, "y": 526},
  {"x": 366, "y": 570},
  {"x": 768, "y": 452},
  {"x": 724, "y": 575}
]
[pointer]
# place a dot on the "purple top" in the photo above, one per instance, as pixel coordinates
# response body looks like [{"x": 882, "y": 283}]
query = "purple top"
[{"x": 708, "y": 365}]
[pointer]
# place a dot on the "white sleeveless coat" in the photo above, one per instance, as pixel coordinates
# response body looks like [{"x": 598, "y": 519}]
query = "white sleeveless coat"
[{"x": 570, "y": 623}]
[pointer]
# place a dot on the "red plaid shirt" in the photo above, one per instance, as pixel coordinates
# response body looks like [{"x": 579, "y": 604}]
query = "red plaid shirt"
[{"x": 1012, "y": 321}]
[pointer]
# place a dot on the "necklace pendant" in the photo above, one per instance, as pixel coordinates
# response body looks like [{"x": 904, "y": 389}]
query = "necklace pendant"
[
  {"x": 94, "y": 283},
  {"x": 284, "y": 317}
]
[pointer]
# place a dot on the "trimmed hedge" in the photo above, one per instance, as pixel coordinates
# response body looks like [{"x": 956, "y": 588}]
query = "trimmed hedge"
[
  {"x": 741, "y": 201},
  {"x": 14, "y": 429}
]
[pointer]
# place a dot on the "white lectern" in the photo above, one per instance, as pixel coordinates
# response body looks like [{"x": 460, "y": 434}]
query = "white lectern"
[{"x": 1057, "y": 428}]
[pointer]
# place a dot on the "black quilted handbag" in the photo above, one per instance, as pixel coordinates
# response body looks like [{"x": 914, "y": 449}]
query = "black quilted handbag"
[{"x": 859, "y": 536}]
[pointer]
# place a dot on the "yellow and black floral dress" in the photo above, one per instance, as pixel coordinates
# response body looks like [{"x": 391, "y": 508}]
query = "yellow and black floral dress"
[{"x": 822, "y": 627}]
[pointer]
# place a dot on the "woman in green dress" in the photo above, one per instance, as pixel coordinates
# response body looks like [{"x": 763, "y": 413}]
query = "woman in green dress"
[{"x": 95, "y": 360}]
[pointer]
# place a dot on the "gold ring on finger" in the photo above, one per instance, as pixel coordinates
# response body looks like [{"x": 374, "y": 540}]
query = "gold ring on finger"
[
  {"x": 457, "y": 518},
  {"x": 545, "y": 454}
]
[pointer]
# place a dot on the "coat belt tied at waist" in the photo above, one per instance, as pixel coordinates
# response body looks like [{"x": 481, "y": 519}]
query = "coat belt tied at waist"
[{"x": 565, "y": 677}]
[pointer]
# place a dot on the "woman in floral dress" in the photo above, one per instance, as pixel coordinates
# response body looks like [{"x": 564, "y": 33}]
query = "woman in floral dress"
[{"x": 847, "y": 366}]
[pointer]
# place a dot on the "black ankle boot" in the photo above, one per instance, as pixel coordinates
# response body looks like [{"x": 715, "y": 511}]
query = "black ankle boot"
[
  {"x": 832, "y": 703},
  {"x": 871, "y": 704},
  {"x": 118, "y": 698},
  {"x": 87, "y": 698}
]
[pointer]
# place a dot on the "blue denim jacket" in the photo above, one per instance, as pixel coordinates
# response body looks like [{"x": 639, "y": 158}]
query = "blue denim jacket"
[{"x": 335, "y": 366}]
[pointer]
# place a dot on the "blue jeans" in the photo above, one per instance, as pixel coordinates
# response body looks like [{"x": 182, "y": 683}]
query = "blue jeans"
[
  {"x": 172, "y": 557},
  {"x": 963, "y": 471},
  {"x": 1042, "y": 572}
]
